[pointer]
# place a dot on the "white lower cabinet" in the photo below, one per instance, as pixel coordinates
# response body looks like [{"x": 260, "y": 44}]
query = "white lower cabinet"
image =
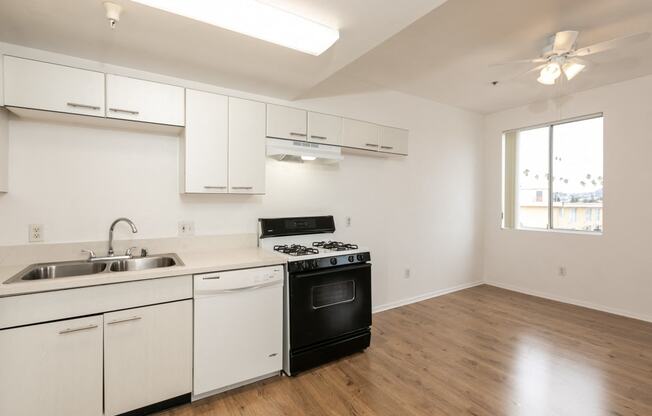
[
  {"x": 147, "y": 355},
  {"x": 52, "y": 368}
]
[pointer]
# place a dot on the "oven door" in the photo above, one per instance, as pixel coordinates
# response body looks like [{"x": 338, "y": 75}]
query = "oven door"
[{"x": 329, "y": 303}]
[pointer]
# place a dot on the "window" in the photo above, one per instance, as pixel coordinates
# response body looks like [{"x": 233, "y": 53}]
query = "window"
[{"x": 553, "y": 176}]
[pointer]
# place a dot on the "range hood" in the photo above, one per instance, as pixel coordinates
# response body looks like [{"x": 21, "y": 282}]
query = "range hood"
[{"x": 294, "y": 150}]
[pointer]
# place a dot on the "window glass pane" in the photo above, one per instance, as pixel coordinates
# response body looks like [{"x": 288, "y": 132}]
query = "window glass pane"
[
  {"x": 532, "y": 178},
  {"x": 577, "y": 175}
]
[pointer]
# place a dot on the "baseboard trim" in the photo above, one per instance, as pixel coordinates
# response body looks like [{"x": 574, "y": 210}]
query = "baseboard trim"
[
  {"x": 584, "y": 304},
  {"x": 419, "y": 298}
]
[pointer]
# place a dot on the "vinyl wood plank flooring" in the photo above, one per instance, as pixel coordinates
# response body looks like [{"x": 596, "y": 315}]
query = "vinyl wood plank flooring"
[{"x": 483, "y": 351}]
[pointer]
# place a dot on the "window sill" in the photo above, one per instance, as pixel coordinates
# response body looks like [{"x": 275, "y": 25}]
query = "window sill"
[{"x": 555, "y": 231}]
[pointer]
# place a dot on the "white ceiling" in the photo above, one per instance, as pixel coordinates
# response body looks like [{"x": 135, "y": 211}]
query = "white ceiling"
[
  {"x": 155, "y": 41},
  {"x": 446, "y": 55}
]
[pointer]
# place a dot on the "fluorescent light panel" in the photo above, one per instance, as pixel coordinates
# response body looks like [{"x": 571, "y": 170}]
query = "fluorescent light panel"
[{"x": 255, "y": 19}]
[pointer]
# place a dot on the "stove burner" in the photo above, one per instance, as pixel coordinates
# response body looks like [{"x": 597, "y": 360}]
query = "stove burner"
[
  {"x": 334, "y": 245},
  {"x": 295, "y": 250}
]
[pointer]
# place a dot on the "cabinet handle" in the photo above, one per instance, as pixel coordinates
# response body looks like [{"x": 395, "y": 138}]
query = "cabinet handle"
[
  {"x": 81, "y": 328},
  {"x": 120, "y": 110},
  {"x": 214, "y": 187},
  {"x": 242, "y": 187},
  {"x": 386, "y": 147},
  {"x": 371, "y": 145},
  {"x": 319, "y": 137},
  {"x": 211, "y": 278},
  {"x": 292, "y": 133},
  {"x": 118, "y": 321},
  {"x": 77, "y": 105}
]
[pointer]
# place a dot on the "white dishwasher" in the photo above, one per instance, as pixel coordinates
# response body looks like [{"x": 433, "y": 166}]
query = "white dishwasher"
[{"x": 238, "y": 322}]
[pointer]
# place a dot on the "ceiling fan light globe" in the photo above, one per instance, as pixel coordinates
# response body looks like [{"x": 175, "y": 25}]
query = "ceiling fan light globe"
[
  {"x": 549, "y": 74},
  {"x": 571, "y": 69}
]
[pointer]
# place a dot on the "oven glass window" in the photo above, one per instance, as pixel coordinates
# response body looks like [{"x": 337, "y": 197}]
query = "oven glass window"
[{"x": 333, "y": 294}]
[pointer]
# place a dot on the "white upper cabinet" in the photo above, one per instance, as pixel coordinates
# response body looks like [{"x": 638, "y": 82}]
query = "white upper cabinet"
[
  {"x": 360, "y": 134},
  {"x": 52, "y": 369},
  {"x": 139, "y": 100},
  {"x": 4, "y": 150},
  {"x": 286, "y": 123},
  {"x": 393, "y": 140},
  {"x": 43, "y": 86},
  {"x": 324, "y": 128},
  {"x": 147, "y": 356},
  {"x": 246, "y": 146},
  {"x": 206, "y": 143}
]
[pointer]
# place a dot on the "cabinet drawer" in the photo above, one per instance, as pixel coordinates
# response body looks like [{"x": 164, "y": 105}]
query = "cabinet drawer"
[
  {"x": 60, "y": 304},
  {"x": 152, "y": 102},
  {"x": 360, "y": 134},
  {"x": 44, "y": 86},
  {"x": 286, "y": 122}
]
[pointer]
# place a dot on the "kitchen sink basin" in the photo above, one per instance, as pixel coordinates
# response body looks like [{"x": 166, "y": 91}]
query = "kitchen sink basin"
[
  {"x": 57, "y": 270},
  {"x": 144, "y": 263}
]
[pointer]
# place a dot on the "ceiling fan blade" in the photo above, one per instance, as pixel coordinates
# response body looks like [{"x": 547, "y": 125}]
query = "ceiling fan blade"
[
  {"x": 521, "y": 61},
  {"x": 536, "y": 68},
  {"x": 611, "y": 44},
  {"x": 564, "y": 41}
]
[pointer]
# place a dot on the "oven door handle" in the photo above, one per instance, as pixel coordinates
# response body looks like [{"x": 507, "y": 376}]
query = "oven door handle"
[{"x": 330, "y": 270}]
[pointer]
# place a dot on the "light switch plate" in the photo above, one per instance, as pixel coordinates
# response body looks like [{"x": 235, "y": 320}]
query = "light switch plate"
[{"x": 186, "y": 228}]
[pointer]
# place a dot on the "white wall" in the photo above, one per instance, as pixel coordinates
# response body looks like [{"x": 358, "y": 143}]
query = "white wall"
[
  {"x": 421, "y": 212},
  {"x": 613, "y": 271}
]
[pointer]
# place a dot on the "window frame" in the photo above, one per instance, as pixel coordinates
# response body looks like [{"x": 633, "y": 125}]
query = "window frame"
[{"x": 550, "y": 126}]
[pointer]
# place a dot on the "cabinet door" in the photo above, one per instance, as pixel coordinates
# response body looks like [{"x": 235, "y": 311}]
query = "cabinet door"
[
  {"x": 393, "y": 140},
  {"x": 360, "y": 134},
  {"x": 147, "y": 355},
  {"x": 52, "y": 369},
  {"x": 206, "y": 143},
  {"x": 324, "y": 128},
  {"x": 43, "y": 86},
  {"x": 152, "y": 102},
  {"x": 286, "y": 123},
  {"x": 246, "y": 146}
]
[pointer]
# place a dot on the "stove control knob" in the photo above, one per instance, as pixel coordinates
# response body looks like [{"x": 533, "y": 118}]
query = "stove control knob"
[
  {"x": 351, "y": 259},
  {"x": 334, "y": 261},
  {"x": 315, "y": 264},
  {"x": 360, "y": 257}
]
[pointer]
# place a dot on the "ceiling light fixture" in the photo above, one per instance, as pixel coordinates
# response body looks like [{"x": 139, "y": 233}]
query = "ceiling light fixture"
[
  {"x": 571, "y": 69},
  {"x": 308, "y": 158},
  {"x": 255, "y": 19},
  {"x": 549, "y": 73}
]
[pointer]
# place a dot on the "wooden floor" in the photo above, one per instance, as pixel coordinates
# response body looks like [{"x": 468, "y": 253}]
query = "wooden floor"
[{"x": 481, "y": 351}]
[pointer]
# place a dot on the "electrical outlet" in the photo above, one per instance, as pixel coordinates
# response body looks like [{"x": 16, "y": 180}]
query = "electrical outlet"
[
  {"x": 348, "y": 221},
  {"x": 35, "y": 233},
  {"x": 406, "y": 273},
  {"x": 186, "y": 228},
  {"x": 562, "y": 271}
]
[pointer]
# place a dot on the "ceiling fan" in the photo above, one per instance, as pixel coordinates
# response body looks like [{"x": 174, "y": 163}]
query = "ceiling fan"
[{"x": 561, "y": 55}]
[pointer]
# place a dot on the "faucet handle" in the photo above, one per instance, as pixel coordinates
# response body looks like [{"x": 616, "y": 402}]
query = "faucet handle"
[
  {"x": 91, "y": 253},
  {"x": 129, "y": 250}
]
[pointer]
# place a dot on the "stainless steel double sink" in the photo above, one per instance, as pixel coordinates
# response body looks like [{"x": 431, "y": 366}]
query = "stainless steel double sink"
[{"x": 56, "y": 270}]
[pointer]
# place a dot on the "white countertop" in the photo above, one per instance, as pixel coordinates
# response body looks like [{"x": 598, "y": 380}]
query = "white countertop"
[{"x": 194, "y": 263}]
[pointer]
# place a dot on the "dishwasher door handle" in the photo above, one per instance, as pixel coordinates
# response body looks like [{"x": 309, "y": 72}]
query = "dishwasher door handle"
[{"x": 238, "y": 289}]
